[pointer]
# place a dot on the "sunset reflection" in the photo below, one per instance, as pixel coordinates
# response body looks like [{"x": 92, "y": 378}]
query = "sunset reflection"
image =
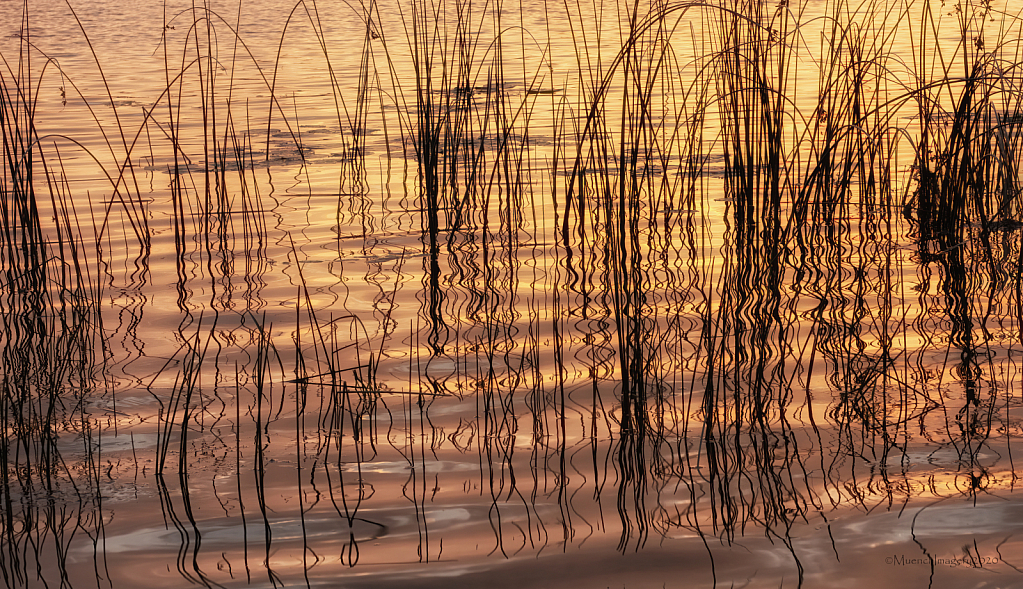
[{"x": 521, "y": 294}]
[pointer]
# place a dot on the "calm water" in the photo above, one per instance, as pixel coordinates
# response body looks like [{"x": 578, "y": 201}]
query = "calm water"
[{"x": 426, "y": 294}]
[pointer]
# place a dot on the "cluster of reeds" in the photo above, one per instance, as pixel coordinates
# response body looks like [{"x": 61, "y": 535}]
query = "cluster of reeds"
[
  {"x": 805, "y": 291},
  {"x": 673, "y": 249},
  {"x": 51, "y": 335},
  {"x": 728, "y": 241}
]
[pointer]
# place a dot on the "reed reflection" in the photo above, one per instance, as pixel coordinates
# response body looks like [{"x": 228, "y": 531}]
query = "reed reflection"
[{"x": 670, "y": 280}]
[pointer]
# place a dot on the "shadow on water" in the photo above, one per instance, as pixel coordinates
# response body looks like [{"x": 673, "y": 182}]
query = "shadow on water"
[{"x": 666, "y": 316}]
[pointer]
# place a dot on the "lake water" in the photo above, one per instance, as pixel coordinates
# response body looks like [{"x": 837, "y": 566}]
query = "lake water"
[{"x": 511, "y": 294}]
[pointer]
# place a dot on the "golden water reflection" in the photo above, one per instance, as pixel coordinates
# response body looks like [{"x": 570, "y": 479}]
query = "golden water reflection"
[{"x": 699, "y": 294}]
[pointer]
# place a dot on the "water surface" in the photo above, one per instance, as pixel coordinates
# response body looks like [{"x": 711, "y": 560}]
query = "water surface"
[{"x": 532, "y": 294}]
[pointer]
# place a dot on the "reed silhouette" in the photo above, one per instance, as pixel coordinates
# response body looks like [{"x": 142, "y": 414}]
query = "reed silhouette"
[{"x": 731, "y": 266}]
